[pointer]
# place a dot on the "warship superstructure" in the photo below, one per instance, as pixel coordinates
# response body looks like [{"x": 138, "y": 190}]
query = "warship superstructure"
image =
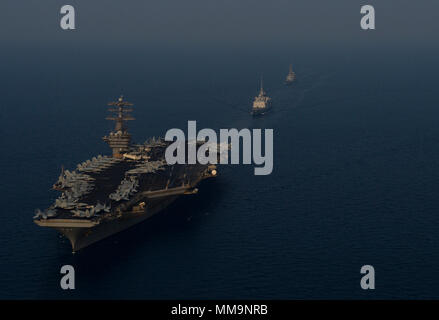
[
  {"x": 261, "y": 103},
  {"x": 291, "y": 76},
  {"x": 108, "y": 194}
]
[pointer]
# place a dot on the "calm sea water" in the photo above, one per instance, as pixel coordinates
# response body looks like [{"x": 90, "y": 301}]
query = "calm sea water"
[{"x": 355, "y": 177}]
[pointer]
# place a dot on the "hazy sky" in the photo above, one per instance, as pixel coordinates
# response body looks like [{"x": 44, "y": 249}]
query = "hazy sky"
[{"x": 217, "y": 23}]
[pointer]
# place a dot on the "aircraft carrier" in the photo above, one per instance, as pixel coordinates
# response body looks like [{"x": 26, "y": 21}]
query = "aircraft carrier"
[{"x": 108, "y": 194}]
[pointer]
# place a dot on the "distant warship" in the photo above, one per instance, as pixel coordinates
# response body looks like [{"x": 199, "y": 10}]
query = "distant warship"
[
  {"x": 108, "y": 194},
  {"x": 261, "y": 103},
  {"x": 291, "y": 76}
]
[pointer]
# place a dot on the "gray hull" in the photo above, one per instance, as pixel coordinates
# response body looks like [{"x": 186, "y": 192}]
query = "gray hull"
[{"x": 81, "y": 237}]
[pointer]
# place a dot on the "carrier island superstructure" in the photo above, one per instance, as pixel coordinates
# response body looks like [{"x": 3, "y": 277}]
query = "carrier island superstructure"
[{"x": 108, "y": 194}]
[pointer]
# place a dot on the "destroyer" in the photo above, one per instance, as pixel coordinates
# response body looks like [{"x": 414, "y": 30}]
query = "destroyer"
[
  {"x": 261, "y": 103},
  {"x": 108, "y": 194},
  {"x": 291, "y": 76}
]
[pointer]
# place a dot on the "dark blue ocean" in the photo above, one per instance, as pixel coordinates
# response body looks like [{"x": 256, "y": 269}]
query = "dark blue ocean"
[{"x": 355, "y": 179}]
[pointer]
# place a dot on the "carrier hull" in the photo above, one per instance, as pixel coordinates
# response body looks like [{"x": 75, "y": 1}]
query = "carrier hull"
[
  {"x": 81, "y": 237},
  {"x": 82, "y": 232}
]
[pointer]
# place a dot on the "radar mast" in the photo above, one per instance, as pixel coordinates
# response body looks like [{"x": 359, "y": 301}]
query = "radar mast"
[
  {"x": 261, "y": 93},
  {"x": 119, "y": 140}
]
